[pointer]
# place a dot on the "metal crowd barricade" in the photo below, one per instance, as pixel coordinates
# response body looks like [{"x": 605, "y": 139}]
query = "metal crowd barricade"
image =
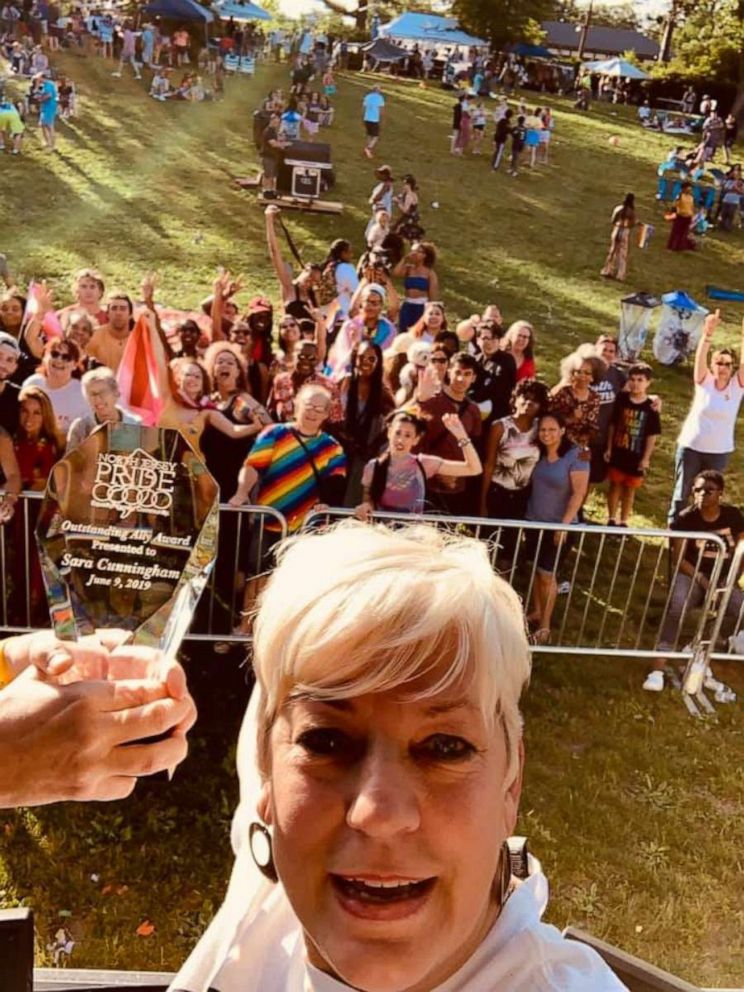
[
  {"x": 728, "y": 627},
  {"x": 222, "y": 601},
  {"x": 23, "y": 604},
  {"x": 617, "y": 581}
]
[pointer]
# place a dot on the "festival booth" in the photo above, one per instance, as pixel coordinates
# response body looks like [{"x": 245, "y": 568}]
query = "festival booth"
[
  {"x": 441, "y": 35},
  {"x": 384, "y": 54},
  {"x": 680, "y": 326},
  {"x": 619, "y": 68},
  {"x": 240, "y": 10},
  {"x": 706, "y": 182},
  {"x": 545, "y": 71},
  {"x": 180, "y": 10}
]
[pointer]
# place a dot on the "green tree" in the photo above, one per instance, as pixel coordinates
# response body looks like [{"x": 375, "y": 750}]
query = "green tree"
[
  {"x": 359, "y": 10},
  {"x": 708, "y": 45},
  {"x": 501, "y": 21}
]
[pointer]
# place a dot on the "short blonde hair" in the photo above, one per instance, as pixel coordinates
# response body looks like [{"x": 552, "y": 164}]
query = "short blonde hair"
[{"x": 364, "y": 608}]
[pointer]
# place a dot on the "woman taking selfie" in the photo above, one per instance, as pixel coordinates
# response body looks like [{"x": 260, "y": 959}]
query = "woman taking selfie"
[{"x": 381, "y": 766}]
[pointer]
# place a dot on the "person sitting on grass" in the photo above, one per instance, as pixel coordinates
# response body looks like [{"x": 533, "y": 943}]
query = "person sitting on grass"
[
  {"x": 694, "y": 561},
  {"x": 160, "y": 87},
  {"x": 631, "y": 440}
]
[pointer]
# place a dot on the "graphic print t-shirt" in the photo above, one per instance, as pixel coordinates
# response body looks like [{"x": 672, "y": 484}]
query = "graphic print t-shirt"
[{"x": 634, "y": 422}]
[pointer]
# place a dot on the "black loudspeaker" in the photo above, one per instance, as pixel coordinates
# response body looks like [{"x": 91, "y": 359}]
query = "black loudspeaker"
[
  {"x": 16, "y": 950},
  {"x": 308, "y": 151}
]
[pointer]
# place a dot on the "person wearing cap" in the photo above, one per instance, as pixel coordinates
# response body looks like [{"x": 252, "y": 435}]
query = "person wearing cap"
[
  {"x": 368, "y": 324},
  {"x": 373, "y": 105},
  {"x": 10, "y": 353}
]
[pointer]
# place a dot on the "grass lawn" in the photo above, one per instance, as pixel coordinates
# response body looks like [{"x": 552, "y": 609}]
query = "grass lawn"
[{"x": 634, "y": 809}]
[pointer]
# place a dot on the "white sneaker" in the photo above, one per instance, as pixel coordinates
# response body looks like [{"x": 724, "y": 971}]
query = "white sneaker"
[
  {"x": 116, "y": 75},
  {"x": 711, "y": 682},
  {"x": 564, "y": 588},
  {"x": 654, "y": 682}
]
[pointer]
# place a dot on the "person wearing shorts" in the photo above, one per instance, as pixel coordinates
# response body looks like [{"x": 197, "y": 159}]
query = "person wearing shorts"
[
  {"x": 373, "y": 104},
  {"x": 11, "y": 125},
  {"x": 271, "y": 147},
  {"x": 631, "y": 440},
  {"x": 559, "y": 485},
  {"x": 48, "y": 105}
]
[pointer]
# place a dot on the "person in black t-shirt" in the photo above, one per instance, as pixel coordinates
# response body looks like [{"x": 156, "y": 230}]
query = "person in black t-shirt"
[
  {"x": 500, "y": 137},
  {"x": 496, "y": 375},
  {"x": 518, "y": 136},
  {"x": 631, "y": 438},
  {"x": 271, "y": 149},
  {"x": 697, "y": 559},
  {"x": 9, "y": 355}
]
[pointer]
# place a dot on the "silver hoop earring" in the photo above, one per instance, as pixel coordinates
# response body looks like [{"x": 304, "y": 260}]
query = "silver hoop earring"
[{"x": 259, "y": 841}]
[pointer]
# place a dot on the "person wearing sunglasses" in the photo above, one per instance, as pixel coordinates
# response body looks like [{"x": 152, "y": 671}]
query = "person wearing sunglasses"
[
  {"x": 707, "y": 436},
  {"x": 694, "y": 561},
  {"x": 55, "y": 378}
]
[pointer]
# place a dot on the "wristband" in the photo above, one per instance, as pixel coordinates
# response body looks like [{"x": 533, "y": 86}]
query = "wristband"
[
  {"x": 7, "y": 674},
  {"x": 464, "y": 442}
]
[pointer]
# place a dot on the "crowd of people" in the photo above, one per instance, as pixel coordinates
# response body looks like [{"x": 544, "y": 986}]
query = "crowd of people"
[
  {"x": 361, "y": 391},
  {"x": 350, "y": 396}
]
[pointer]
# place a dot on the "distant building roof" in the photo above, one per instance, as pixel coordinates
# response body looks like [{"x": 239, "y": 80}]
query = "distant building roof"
[{"x": 600, "y": 40}]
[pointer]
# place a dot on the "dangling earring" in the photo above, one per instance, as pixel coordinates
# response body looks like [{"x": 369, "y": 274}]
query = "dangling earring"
[
  {"x": 502, "y": 882},
  {"x": 259, "y": 840}
]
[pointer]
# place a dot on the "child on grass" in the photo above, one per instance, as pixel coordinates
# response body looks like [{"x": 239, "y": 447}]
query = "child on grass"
[
  {"x": 631, "y": 440},
  {"x": 518, "y": 136}
]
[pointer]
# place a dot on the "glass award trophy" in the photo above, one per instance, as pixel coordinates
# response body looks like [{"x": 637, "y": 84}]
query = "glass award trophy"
[{"x": 127, "y": 535}]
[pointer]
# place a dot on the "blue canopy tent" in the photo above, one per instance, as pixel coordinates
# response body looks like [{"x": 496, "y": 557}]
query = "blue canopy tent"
[
  {"x": 617, "y": 67},
  {"x": 429, "y": 28},
  {"x": 525, "y": 50},
  {"x": 181, "y": 10},
  {"x": 241, "y": 10}
]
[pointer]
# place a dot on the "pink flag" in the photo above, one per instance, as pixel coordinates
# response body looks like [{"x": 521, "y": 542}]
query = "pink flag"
[{"x": 143, "y": 372}]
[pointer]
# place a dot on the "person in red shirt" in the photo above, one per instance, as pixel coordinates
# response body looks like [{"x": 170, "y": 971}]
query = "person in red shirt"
[
  {"x": 449, "y": 494},
  {"x": 519, "y": 340}
]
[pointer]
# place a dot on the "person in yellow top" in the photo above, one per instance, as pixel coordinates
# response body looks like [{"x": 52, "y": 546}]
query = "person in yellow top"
[
  {"x": 72, "y": 714},
  {"x": 11, "y": 125},
  {"x": 680, "y": 238}
]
